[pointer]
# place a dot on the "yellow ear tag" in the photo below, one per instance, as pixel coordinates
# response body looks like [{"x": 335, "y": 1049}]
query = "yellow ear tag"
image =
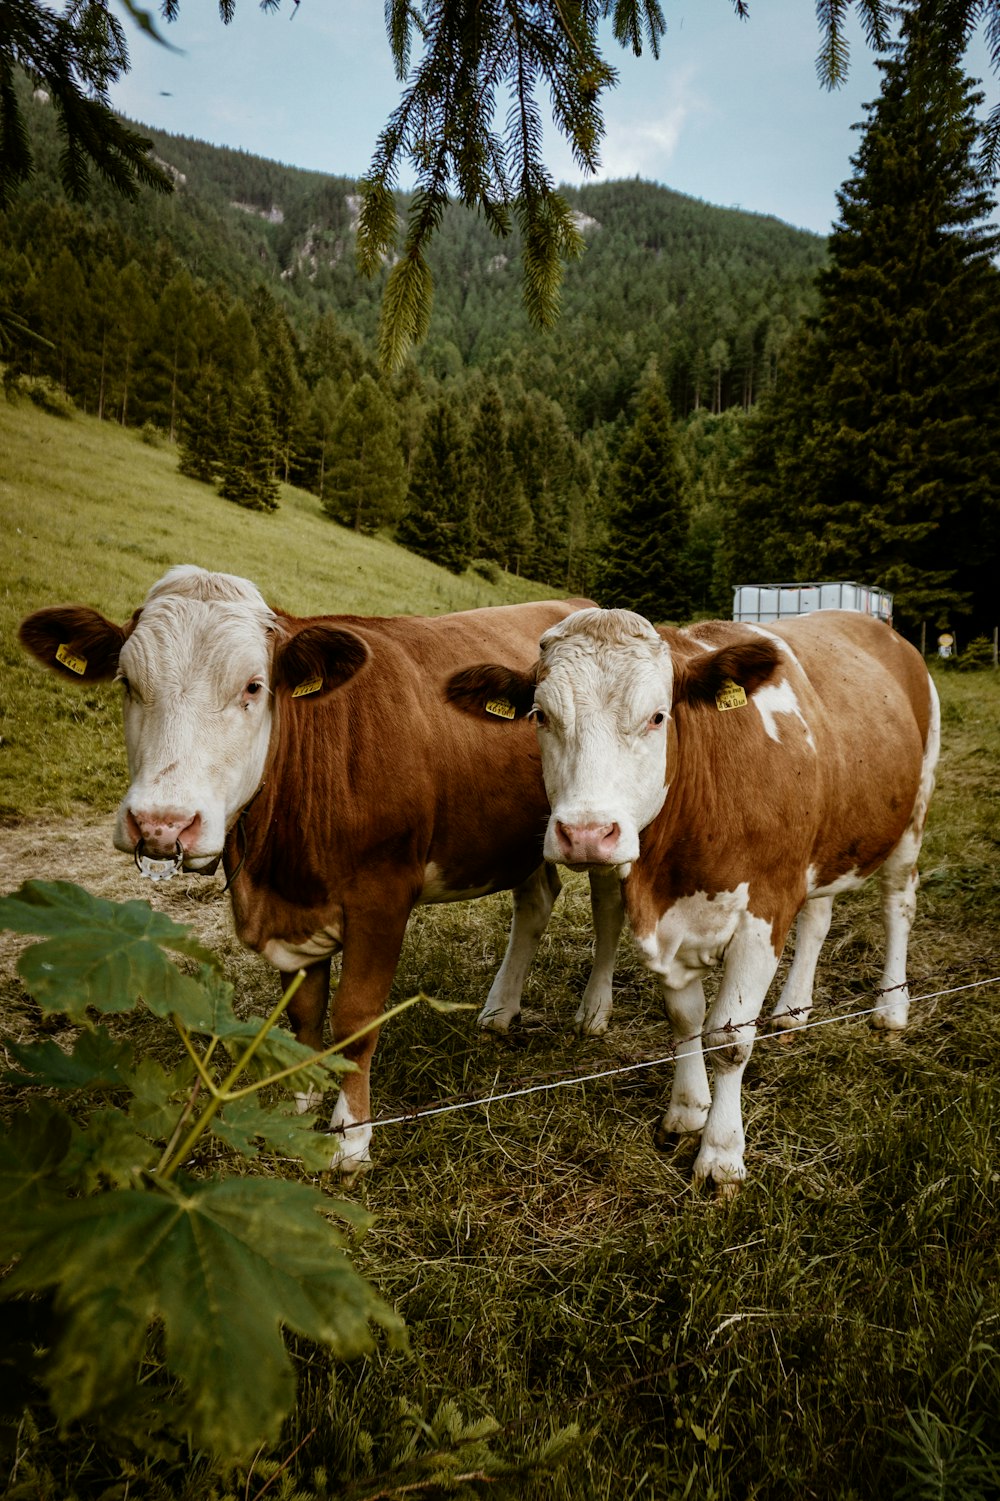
[
  {"x": 312, "y": 685},
  {"x": 75, "y": 664},
  {"x": 501, "y": 708},
  {"x": 730, "y": 696}
]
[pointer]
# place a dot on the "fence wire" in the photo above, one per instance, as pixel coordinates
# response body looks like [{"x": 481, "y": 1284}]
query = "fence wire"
[{"x": 566, "y": 1081}]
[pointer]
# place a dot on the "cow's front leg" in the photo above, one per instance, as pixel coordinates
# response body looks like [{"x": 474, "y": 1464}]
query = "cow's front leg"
[
  {"x": 533, "y": 903},
  {"x": 729, "y": 1035},
  {"x": 307, "y": 1013},
  {"x": 609, "y": 914},
  {"x": 371, "y": 945},
  {"x": 690, "y": 1099}
]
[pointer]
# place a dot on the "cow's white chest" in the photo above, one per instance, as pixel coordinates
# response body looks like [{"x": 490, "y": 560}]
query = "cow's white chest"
[
  {"x": 291, "y": 956},
  {"x": 693, "y": 934}
]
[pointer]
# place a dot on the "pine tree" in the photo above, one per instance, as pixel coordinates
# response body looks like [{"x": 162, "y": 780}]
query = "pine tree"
[
  {"x": 365, "y": 480},
  {"x": 248, "y": 472},
  {"x": 438, "y": 522},
  {"x": 501, "y": 521},
  {"x": 642, "y": 567},
  {"x": 205, "y": 433},
  {"x": 885, "y": 465}
]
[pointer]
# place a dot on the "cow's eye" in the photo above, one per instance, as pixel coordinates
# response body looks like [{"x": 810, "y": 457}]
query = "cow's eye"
[
  {"x": 126, "y": 686},
  {"x": 655, "y": 720},
  {"x": 252, "y": 690},
  {"x": 537, "y": 717}
]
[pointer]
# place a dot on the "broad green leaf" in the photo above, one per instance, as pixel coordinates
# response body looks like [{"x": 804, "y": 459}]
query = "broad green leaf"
[
  {"x": 243, "y": 1122},
  {"x": 278, "y": 1051},
  {"x": 97, "y": 1061},
  {"x": 32, "y": 1151},
  {"x": 108, "y": 1150},
  {"x": 158, "y": 1097},
  {"x": 225, "y": 1266},
  {"x": 103, "y": 954}
]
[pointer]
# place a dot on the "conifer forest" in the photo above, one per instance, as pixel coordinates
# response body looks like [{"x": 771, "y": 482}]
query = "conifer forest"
[{"x": 722, "y": 398}]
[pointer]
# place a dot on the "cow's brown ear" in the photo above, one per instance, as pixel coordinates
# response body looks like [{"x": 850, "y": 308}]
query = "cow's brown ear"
[
  {"x": 747, "y": 665},
  {"x": 492, "y": 691},
  {"x": 317, "y": 659},
  {"x": 75, "y": 641}
]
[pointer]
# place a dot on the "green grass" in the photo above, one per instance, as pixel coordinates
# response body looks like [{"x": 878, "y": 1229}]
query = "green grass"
[
  {"x": 93, "y": 515},
  {"x": 833, "y": 1332}
]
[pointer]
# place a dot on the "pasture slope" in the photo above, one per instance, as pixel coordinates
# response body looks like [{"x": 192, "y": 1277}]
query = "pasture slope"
[{"x": 833, "y": 1332}]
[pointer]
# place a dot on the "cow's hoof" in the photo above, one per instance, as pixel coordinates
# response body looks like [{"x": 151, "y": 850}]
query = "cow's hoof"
[
  {"x": 890, "y": 1021},
  {"x": 783, "y": 1028},
  {"x": 588, "y": 1025},
  {"x": 719, "y": 1170},
  {"x": 684, "y": 1120},
  {"x": 496, "y": 1020}
]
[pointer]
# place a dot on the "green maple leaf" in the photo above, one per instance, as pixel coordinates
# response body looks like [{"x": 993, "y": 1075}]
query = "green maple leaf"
[
  {"x": 103, "y": 954},
  {"x": 225, "y": 1266},
  {"x": 32, "y": 1151},
  {"x": 96, "y": 1061},
  {"x": 245, "y": 1121}
]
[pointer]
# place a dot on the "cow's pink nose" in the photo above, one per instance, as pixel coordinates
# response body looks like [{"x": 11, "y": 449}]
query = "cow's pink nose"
[
  {"x": 162, "y": 830},
  {"x": 588, "y": 844}
]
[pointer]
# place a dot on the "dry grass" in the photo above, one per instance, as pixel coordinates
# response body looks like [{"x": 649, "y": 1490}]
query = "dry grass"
[{"x": 833, "y": 1332}]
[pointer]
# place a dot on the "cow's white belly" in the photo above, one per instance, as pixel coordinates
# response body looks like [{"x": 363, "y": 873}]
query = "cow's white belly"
[
  {"x": 292, "y": 956},
  {"x": 693, "y": 934}
]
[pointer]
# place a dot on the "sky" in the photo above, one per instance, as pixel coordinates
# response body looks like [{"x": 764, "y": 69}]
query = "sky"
[{"x": 732, "y": 112}]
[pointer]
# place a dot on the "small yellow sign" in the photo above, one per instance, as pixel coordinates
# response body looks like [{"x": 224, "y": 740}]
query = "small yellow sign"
[
  {"x": 501, "y": 708},
  {"x": 312, "y": 685},
  {"x": 75, "y": 664},
  {"x": 730, "y": 696}
]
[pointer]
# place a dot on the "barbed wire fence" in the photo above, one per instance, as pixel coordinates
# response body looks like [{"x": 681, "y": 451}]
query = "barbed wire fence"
[{"x": 769, "y": 1033}]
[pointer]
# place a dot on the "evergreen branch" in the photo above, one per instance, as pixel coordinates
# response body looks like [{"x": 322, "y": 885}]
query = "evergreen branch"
[
  {"x": 406, "y": 310},
  {"x": 834, "y": 53},
  {"x": 377, "y": 227},
  {"x": 630, "y": 20}
]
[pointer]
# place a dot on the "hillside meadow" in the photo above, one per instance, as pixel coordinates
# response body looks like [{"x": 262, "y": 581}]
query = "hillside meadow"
[
  {"x": 92, "y": 514},
  {"x": 831, "y": 1332}
]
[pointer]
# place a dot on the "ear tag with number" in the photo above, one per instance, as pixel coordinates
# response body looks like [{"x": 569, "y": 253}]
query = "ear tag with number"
[
  {"x": 730, "y": 696},
  {"x": 75, "y": 664},
  {"x": 312, "y": 685},
  {"x": 501, "y": 708}
]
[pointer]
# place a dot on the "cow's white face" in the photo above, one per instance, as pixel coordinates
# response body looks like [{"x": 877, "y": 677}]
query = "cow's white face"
[
  {"x": 602, "y": 706},
  {"x": 199, "y": 664},
  {"x": 197, "y": 713}
]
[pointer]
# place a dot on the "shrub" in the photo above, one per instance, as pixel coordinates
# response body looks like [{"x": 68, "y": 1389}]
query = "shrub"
[{"x": 977, "y": 655}]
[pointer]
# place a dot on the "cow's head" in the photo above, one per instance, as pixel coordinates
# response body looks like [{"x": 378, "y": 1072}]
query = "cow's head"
[
  {"x": 201, "y": 665},
  {"x": 601, "y": 696}
]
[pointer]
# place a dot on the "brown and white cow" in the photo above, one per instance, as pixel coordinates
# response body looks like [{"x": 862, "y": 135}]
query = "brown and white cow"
[
  {"x": 317, "y": 759},
  {"x": 736, "y": 776}
]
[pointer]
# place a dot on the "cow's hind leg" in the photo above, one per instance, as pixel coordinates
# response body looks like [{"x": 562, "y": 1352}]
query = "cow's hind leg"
[
  {"x": 533, "y": 903},
  {"x": 609, "y": 915},
  {"x": 729, "y": 1036},
  {"x": 307, "y": 1013},
  {"x": 690, "y": 1099},
  {"x": 899, "y": 879},
  {"x": 796, "y": 999},
  {"x": 372, "y": 941}
]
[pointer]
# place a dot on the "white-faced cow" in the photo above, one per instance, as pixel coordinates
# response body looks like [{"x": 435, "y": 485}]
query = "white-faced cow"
[
  {"x": 736, "y": 776},
  {"x": 318, "y": 760}
]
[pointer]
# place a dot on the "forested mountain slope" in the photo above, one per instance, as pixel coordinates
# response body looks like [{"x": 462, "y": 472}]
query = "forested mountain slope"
[
  {"x": 229, "y": 318},
  {"x": 710, "y": 292}
]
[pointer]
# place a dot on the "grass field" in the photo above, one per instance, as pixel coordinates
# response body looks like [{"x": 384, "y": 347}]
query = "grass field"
[
  {"x": 91, "y": 514},
  {"x": 832, "y": 1332}
]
